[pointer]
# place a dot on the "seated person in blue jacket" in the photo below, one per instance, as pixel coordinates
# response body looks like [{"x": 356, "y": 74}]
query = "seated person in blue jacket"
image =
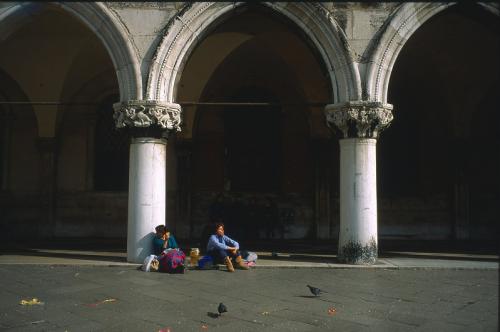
[
  {"x": 163, "y": 240},
  {"x": 222, "y": 248}
]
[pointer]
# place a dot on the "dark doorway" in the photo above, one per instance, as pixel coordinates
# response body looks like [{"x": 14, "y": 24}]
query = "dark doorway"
[
  {"x": 111, "y": 150},
  {"x": 253, "y": 162},
  {"x": 439, "y": 159},
  {"x": 252, "y": 139}
]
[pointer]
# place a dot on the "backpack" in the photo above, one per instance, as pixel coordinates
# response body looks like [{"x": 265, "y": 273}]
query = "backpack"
[{"x": 172, "y": 261}]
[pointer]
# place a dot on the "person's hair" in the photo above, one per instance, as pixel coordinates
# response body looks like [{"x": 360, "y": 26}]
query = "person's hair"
[
  {"x": 219, "y": 224},
  {"x": 161, "y": 229}
]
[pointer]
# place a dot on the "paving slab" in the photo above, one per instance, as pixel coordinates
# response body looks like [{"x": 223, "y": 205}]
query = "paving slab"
[
  {"x": 123, "y": 298},
  {"x": 399, "y": 260},
  {"x": 403, "y": 291}
]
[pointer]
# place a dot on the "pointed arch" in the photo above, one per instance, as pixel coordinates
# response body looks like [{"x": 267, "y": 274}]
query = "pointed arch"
[
  {"x": 398, "y": 29},
  {"x": 100, "y": 20},
  {"x": 196, "y": 20}
]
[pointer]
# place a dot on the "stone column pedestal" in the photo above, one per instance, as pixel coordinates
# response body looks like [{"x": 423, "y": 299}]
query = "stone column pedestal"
[
  {"x": 147, "y": 170},
  {"x": 358, "y": 123}
]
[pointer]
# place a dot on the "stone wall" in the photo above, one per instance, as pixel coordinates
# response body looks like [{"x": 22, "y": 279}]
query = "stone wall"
[
  {"x": 415, "y": 218},
  {"x": 91, "y": 214},
  {"x": 288, "y": 216},
  {"x": 94, "y": 214},
  {"x": 81, "y": 214},
  {"x": 362, "y": 28},
  {"x": 20, "y": 215}
]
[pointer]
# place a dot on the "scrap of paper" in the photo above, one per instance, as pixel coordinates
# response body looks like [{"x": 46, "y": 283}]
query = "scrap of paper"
[
  {"x": 100, "y": 302},
  {"x": 332, "y": 311},
  {"x": 167, "y": 329},
  {"x": 33, "y": 301}
]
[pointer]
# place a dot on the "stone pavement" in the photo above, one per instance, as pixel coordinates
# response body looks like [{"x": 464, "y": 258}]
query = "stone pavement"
[
  {"x": 96, "y": 290},
  {"x": 122, "y": 298},
  {"x": 387, "y": 260}
]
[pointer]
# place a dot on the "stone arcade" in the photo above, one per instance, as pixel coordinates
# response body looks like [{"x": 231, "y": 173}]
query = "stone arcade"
[{"x": 339, "y": 122}]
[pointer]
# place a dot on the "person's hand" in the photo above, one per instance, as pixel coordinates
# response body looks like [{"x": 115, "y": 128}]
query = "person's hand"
[{"x": 232, "y": 250}]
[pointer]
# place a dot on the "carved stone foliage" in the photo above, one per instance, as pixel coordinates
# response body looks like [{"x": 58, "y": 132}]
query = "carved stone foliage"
[
  {"x": 363, "y": 119},
  {"x": 146, "y": 113}
]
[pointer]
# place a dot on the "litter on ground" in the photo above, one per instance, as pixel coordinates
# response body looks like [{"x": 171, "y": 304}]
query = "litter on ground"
[
  {"x": 33, "y": 301},
  {"x": 100, "y": 302}
]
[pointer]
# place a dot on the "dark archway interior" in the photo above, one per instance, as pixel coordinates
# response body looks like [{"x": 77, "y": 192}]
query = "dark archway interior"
[
  {"x": 439, "y": 161},
  {"x": 253, "y": 155},
  {"x": 49, "y": 149},
  {"x": 18, "y": 132},
  {"x": 112, "y": 151},
  {"x": 258, "y": 160}
]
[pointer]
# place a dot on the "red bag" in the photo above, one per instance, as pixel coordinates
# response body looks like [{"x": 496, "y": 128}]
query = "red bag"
[{"x": 172, "y": 261}]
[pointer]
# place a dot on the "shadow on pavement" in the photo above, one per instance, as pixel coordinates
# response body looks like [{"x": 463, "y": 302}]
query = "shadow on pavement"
[
  {"x": 318, "y": 251},
  {"x": 456, "y": 256},
  {"x": 66, "y": 255}
]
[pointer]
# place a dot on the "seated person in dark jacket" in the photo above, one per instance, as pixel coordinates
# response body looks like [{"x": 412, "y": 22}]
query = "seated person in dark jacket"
[
  {"x": 163, "y": 240},
  {"x": 222, "y": 248}
]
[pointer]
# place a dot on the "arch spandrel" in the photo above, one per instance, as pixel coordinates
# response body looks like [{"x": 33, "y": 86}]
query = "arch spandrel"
[
  {"x": 100, "y": 20},
  {"x": 196, "y": 20}
]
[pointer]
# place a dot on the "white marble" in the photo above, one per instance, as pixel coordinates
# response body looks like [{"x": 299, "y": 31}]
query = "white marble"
[
  {"x": 146, "y": 201},
  {"x": 358, "y": 191}
]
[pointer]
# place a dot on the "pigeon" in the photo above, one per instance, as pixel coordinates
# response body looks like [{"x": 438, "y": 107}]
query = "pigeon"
[
  {"x": 316, "y": 291},
  {"x": 222, "y": 308}
]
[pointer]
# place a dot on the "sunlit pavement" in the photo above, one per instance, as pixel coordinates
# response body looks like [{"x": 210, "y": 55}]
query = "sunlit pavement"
[
  {"x": 83, "y": 290},
  {"x": 123, "y": 298},
  {"x": 387, "y": 260}
]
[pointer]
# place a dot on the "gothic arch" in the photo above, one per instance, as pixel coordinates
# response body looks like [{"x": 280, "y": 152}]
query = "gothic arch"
[
  {"x": 397, "y": 30},
  {"x": 98, "y": 18},
  {"x": 192, "y": 24}
]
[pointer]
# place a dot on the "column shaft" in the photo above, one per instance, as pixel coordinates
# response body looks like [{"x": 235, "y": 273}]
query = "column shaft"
[
  {"x": 48, "y": 176},
  {"x": 358, "y": 201},
  {"x": 146, "y": 200},
  {"x": 147, "y": 170},
  {"x": 360, "y": 123}
]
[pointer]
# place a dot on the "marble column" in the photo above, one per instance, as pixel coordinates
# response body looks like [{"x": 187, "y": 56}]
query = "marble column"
[
  {"x": 47, "y": 147},
  {"x": 152, "y": 123},
  {"x": 91, "y": 120},
  {"x": 6, "y": 119},
  {"x": 359, "y": 124}
]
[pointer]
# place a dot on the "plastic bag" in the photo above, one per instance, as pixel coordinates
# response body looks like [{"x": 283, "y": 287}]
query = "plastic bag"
[
  {"x": 206, "y": 262},
  {"x": 251, "y": 257}
]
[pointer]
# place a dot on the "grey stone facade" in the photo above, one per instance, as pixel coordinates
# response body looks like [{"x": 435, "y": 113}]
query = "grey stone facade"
[{"x": 165, "y": 55}]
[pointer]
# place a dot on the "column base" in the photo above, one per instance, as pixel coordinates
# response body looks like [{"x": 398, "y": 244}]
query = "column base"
[{"x": 358, "y": 253}]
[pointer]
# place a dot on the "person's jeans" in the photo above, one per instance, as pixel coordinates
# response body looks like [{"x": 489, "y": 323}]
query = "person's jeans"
[{"x": 220, "y": 255}]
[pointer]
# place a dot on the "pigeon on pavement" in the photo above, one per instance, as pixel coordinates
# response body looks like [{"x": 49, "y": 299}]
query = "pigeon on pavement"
[
  {"x": 316, "y": 291},
  {"x": 222, "y": 308}
]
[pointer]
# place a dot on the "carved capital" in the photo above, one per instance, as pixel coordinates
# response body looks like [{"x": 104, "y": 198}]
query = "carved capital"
[
  {"x": 148, "y": 113},
  {"x": 363, "y": 119}
]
